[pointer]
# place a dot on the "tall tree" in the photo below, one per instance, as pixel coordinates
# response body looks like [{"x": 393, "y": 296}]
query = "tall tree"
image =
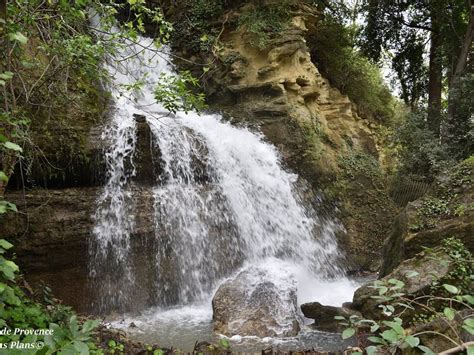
[
  {"x": 459, "y": 132},
  {"x": 461, "y": 60},
  {"x": 435, "y": 78},
  {"x": 412, "y": 31}
]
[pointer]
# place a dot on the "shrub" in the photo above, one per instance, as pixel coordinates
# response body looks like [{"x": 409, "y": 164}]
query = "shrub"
[
  {"x": 265, "y": 21},
  {"x": 445, "y": 300},
  {"x": 195, "y": 26},
  {"x": 357, "y": 163},
  {"x": 334, "y": 52},
  {"x": 421, "y": 155}
]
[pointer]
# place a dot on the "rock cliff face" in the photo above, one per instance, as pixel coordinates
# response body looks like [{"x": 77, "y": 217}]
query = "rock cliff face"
[
  {"x": 279, "y": 89},
  {"x": 51, "y": 235},
  {"x": 52, "y": 229}
]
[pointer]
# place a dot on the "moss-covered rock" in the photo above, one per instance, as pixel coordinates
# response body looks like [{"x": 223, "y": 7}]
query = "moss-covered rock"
[
  {"x": 451, "y": 328},
  {"x": 365, "y": 209},
  {"x": 428, "y": 266},
  {"x": 447, "y": 211}
]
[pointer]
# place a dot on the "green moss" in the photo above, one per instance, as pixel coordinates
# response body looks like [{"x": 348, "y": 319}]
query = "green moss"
[
  {"x": 357, "y": 163},
  {"x": 312, "y": 140},
  {"x": 444, "y": 200},
  {"x": 263, "y": 22},
  {"x": 336, "y": 56}
]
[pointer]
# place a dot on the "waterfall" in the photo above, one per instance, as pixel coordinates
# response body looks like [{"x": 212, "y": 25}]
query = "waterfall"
[
  {"x": 222, "y": 199},
  {"x": 110, "y": 248}
]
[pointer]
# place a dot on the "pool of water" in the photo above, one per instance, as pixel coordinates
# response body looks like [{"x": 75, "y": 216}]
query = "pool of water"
[{"x": 182, "y": 327}]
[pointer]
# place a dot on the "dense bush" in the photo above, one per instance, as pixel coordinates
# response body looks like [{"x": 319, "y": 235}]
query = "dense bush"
[
  {"x": 443, "y": 201},
  {"x": 195, "y": 24},
  {"x": 264, "y": 21},
  {"x": 359, "y": 164},
  {"x": 333, "y": 50},
  {"x": 421, "y": 155}
]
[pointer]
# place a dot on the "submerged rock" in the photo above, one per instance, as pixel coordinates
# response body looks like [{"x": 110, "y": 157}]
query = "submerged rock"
[
  {"x": 259, "y": 301},
  {"x": 139, "y": 118}
]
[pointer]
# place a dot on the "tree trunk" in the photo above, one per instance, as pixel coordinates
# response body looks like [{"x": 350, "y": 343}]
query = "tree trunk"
[
  {"x": 461, "y": 64},
  {"x": 435, "y": 78},
  {"x": 459, "y": 115},
  {"x": 3, "y": 9}
]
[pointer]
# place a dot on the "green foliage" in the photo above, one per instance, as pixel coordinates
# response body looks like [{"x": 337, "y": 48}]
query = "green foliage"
[
  {"x": 11, "y": 150},
  {"x": 265, "y": 21},
  {"x": 312, "y": 136},
  {"x": 402, "y": 28},
  {"x": 444, "y": 201},
  {"x": 391, "y": 333},
  {"x": 461, "y": 272},
  {"x": 360, "y": 164},
  {"x": 173, "y": 93},
  {"x": 70, "y": 338},
  {"x": 430, "y": 210},
  {"x": 197, "y": 25},
  {"x": 220, "y": 347},
  {"x": 17, "y": 311},
  {"x": 334, "y": 51},
  {"x": 421, "y": 155},
  {"x": 115, "y": 347}
]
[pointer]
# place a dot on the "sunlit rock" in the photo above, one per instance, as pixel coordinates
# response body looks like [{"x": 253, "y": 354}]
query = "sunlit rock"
[{"x": 259, "y": 301}]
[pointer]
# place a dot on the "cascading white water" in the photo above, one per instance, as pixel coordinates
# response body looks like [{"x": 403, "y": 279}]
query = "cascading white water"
[
  {"x": 110, "y": 248},
  {"x": 222, "y": 200}
]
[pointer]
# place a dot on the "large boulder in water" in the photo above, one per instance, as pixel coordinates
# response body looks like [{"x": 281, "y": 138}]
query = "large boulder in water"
[{"x": 259, "y": 301}]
